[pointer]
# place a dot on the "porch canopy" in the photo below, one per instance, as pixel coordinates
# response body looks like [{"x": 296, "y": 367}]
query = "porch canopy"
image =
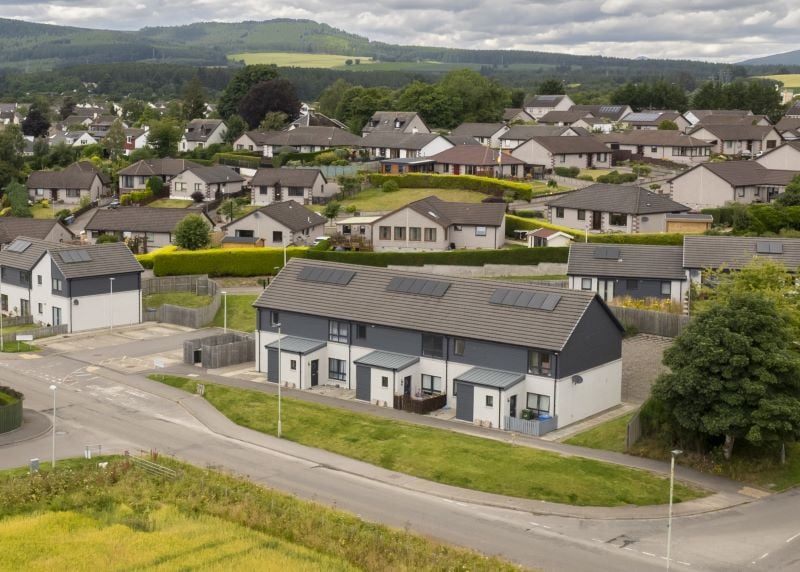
[
  {"x": 295, "y": 345},
  {"x": 490, "y": 378},
  {"x": 387, "y": 360}
]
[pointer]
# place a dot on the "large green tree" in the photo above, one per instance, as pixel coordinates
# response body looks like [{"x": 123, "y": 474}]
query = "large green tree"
[
  {"x": 240, "y": 84},
  {"x": 17, "y": 197},
  {"x": 329, "y": 99},
  {"x": 432, "y": 104},
  {"x": 660, "y": 94},
  {"x": 194, "y": 100},
  {"x": 791, "y": 196},
  {"x": 163, "y": 137},
  {"x": 551, "y": 86},
  {"x": 275, "y": 95},
  {"x": 11, "y": 146},
  {"x": 114, "y": 141},
  {"x": 735, "y": 374},
  {"x": 475, "y": 97},
  {"x": 359, "y": 103},
  {"x": 37, "y": 122},
  {"x": 192, "y": 233}
]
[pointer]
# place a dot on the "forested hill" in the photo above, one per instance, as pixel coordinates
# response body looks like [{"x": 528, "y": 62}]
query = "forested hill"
[{"x": 784, "y": 59}]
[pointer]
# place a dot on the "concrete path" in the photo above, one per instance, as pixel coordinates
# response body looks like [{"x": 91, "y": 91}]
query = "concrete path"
[{"x": 34, "y": 425}]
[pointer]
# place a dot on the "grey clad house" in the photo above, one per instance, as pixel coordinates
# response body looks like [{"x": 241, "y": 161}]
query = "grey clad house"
[
  {"x": 85, "y": 287},
  {"x": 153, "y": 226},
  {"x": 495, "y": 352}
]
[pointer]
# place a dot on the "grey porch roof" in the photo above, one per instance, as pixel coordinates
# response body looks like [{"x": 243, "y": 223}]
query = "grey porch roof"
[
  {"x": 387, "y": 360},
  {"x": 734, "y": 252},
  {"x": 490, "y": 377},
  {"x": 464, "y": 310},
  {"x": 140, "y": 219},
  {"x": 295, "y": 345},
  {"x": 617, "y": 199},
  {"x": 634, "y": 261}
]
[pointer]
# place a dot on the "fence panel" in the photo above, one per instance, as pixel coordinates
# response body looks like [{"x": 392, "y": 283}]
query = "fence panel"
[
  {"x": 634, "y": 431},
  {"x": 11, "y": 413},
  {"x": 200, "y": 284},
  {"x": 534, "y": 427},
  {"x": 649, "y": 322},
  {"x": 41, "y": 332}
]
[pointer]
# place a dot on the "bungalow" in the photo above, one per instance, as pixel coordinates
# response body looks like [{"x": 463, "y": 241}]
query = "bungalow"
[
  {"x": 544, "y": 237},
  {"x": 494, "y": 352},
  {"x": 611, "y": 113},
  {"x": 47, "y": 229},
  {"x": 305, "y": 186},
  {"x": 153, "y": 227},
  {"x": 786, "y": 157},
  {"x": 213, "y": 182},
  {"x": 201, "y": 133},
  {"x": 389, "y": 145},
  {"x": 308, "y": 140},
  {"x": 284, "y": 223},
  {"x": 79, "y": 138},
  {"x": 671, "y": 146},
  {"x": 789, "y": 128},
  {"x": 612, "y": 208},
  {"x": 69, "y": 185},
  {"x": 434, "y": 224},
  {"x": 538, "y": 105},
  {"x": 793, "y": 111},
  {"x": 715, "y": 184},
  {"x": 477, "y": 160},
  {"x": 134, "y": 177},
  {"x": 513, "y": 115},
  {"x": 653, "y": 119},
  {"x": 620, "y": 270},
  {"x": 484, "y": 133},
  {"x": 695, "y": 116},
  {"x": 395, "y": 122},
  {"x": 84, "y": 287},
  {"x": 519, "y": 134},
  {"x": 252, "y": 141},
  {"x": 745, "y": 140},
  {"x": 761, "y": 120},
  {"x": 550, "y": 152},
  {"x": 563, "y": 118},
  {"x": 701, "y": 253}
]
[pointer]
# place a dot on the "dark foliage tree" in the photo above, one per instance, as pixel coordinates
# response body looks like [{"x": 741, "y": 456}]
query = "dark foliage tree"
[
  {"x": 236, "y": 127},
  {"x": 11, "y": 146},
  {"x": 163, "y": 137},
  {"x": 41, "y": 149},
  {"x": 791, "y": 196},
  {"x": 240, "y": 84},
  {"x": 67, "y": 107},
  {"x": 359, "y": 103},
  {"x": 551, "y": 86},
  {"x": 266, "y": 97},
  {"x": 192, "y": 233},
  {"x": 36, "y": 123},
  {"x": 194, "y": 100},
  {"x": 659, "y": 94}
]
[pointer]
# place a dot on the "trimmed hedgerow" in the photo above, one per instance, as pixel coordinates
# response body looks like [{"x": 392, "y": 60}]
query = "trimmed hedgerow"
[
  {"x": 223, "y": 261},
  {"x": 487, "y": 185},
  {"x": 662, "y": 238},
  {"x": 454, "y": 257}
]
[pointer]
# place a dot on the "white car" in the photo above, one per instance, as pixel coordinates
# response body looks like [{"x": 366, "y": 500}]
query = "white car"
[{"x": 320, "y": 239}]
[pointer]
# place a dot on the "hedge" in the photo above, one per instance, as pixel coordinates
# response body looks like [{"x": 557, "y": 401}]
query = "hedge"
[
  {"x": 661, "y": 238},
  {"x": 238, "y": 159},
  {"x": 223, "y": 261},
  {"x": 487, "y": 185},
  {"x": 146, "y": 260},
  {"x": 454, "y": 257},
  {"x": 722, "y": 215}
]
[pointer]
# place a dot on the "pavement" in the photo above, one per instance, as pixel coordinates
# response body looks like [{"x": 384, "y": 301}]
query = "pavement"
[{"x": 34, "y": 425}]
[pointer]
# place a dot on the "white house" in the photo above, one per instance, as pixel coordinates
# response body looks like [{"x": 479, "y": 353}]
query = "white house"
[
  {"x": 69, "y": 185},
  {"x": 213, "y": 182},
  {"x": 305, "y": 186},
  {"x": 201, "y": 133},
  {"x": 155, "y": 227},
  {"x": 538, "y": 105},
  {"x": 398, "y": 145},
  {"x": 551, "y": 152},
  {"x": 664, "y": 145},
  {"x": 745, "y": 140},
  {"x": 407, "y": 122},
  {"x": 276, "y": 224}
]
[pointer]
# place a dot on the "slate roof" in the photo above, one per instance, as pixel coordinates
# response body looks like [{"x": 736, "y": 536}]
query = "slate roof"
[
  {"x": 736, "y": 132},
  {"x": 735, "y": 252},
  {"x": 788, "y": 124},
  {"x": 139, "y": 219},
  {"x": 568, "y": 145},
  {"x": 105, "y": 259},
  {"x": 385, "y": 121},
  {"x": 525, "y": 132},
  {"x": 635, "y": 261},
  {"x": 397, "y": 139},
  {"x": 730, "y": 120},
  {"x": 215, "y": 174},
  {"x": 617, "y": 199},
  {"x": 316, "y": 119},
  {"x": 447, "y": 213},
  {"x": 286, "y": 177},
  {"x": 477, "y": 155},
  {"x": 511, "y": 113},
  {"x": 562, "y": 116},
  {"x": 543, "y": 100},
  {"x": 201, "y": 129},
  {"x": 490, "y": 377},
  {"x": 158, "y": 167},
  {"x": 12, "y": 227},
  {"x": 478, "y": 129},
  {"x": 290, "y": 214},
  {"x": 746, "y": 173},
  {"x": 648, "y": 117},
  {"x": 387, "y": 360},
  {"x": 461, "y": 139},
  {"x": 322, "y": 136},
  {"x": 76, "y": 176},
  {"x": 296, "y": 345},
  {"x": 464, "y": 310},
  {"x": 654, "y": 137},
  {"x": 611, "y": 112}
]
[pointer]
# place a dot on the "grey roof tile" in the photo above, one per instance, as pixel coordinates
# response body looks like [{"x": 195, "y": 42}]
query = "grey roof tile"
[
  {"x": 104, "y": 259},
  {"x": 617, "y": 199},
  {"x": 447, "y": 213},
  {"x": 158, "y": 167},
  {"x": 290, "y": 214},
  {"x": 140, "y": 219},
  {"x": 635, "y": 261},
  {"x": 286, "y": 177},
  {"x": 490, "y": 377},
  {"x": 296, "y": 345},
  {"x": 321, "y": 136},
  {"x": 12, "y": 227},
  {"x": 734, "y": 252}
]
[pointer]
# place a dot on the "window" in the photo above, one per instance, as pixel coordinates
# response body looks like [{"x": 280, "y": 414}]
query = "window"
[
  {"x": 384, "y": 381},
  {"x": 73, "y": 193},
  {"x": 337, "y": 369},
  {"x": 430, "y": 235},
  {"x": 150, "y": 236},
  {"x": 601, "y": 157},
  {"x": 771, "y": 144},
  {"x": 490, "y": 401},
  {"x": 632, "y": 284},
  {"x": 666, "y": 288},
  {"x": 415, "y": 233},
  {"x": 538, "y": 363},
  {"x": 562, "y": 158},
  {"x": 198, "y": 187},
  {"x": 25, "y": 277},
  {"x": 385, "y": 232},
  {"x": 618, "y": 219},
  {"x": 337, "y": 331},
  {"x": 729, "y": 144},
  {"x": 39, "y": 280},
  {"x": 293, "y": 365},
  {"x": 654, "y": 149},
  {"x": 41, "y": 308},
  {"x": 457, "y": 227},
  {"x": 433, "y": 345},
  {"x": 559, "y": 212},
  {"x": 740, "y": 191},
  {"x": 274, "y": 318},
  {"x": 540, "y": 404},
  {"x": 458, "y": 346},
  {"x": 241, "y": 233},
  {"x": 277, "y": 236},
  {"x": 399, "y": 233},
  {"x": 296, "y": 192},
  {"x": 581, "y": 214},
  {"x": 586, "y": 283},
  {"x": 4, "y": 302},
  {"x": 431, "y": 384},
  {"x": 263, "y": 190},
  {"x": 361, "y": 331},
  {"x": 480, "y": 231}
]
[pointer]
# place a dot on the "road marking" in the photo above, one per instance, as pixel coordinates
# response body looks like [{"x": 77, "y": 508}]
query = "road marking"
[
  {"x": 545, "y": 526},
  {"x": 446, "y": 500},
  {"x": 649, "y": 554},
  {"x": 682, "y": 562},
  {"x": 597, "y": 540},
  {"x": 763, "y": 556},
  {"x": 629, "y": 549},
  {"x": 534, "y": 523},
  {"x": 793, "y": 537},
  {"x": 461, "y": 504}
]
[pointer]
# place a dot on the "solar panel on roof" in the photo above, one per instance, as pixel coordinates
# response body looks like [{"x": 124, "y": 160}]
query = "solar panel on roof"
[
  {"x": 769, "y": 247},
  {"x": 72, "y": 256},
  {"x": 326, "y": 275},
  {"x": 548, "y": 97},
  {"x": 610, "y": 108},
  {"x": 525, "y": 299},
  {"x": 18, "y": 246},
  {"x": 606, "y": 252},
  {"x": 642, "y": 116},
  {"x": 421, "y": 286}
]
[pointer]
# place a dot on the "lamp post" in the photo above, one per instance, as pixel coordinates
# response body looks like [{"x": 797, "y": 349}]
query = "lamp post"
[
  {"x": 111, "y": 303},
  {"x": 225, "y": 312},
  {"x": 53, "y": 389},
  {"x": 283, "y": 240},
  {"x": 674, "y": 453},
  {"x": 279, "y": 379}
]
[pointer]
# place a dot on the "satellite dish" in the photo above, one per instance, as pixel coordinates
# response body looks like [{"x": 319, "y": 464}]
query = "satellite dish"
[{"x": 576, "y": 379}]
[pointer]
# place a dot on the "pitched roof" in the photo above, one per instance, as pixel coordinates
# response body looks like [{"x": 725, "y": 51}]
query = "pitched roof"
[
  {"x": 567, "y": 145},
  {"x": 511, "y": 113},
  {"x": 736, "y": 132},
  {"x": 745, "y": 173},
  {"x": 322, "y": 136},
  {"x": 478, "y": 129},
  {"x": 201, "y": 129},
  {"x": 464, "y": 310},
  {"x": 543, "y": 100},
  {"x": 99, "y": 259},
  {"x": 701, "y": 113},
  {"x": 397, "y": 139},
  {"x": 76, "y": 176},
  {"x": 715, "y": 119},
  {"x": 386, "y": 120},
  {"x": 788, "y": 124},
  {"x": 612, "y": 112},
  {"x": 139, "y": 219},
  {"x": 447, "y": 213},
  {"x": 734, "y": 252},
  {"x": 617, "y": 199},
  {"x": 648, "y": 117},
  {"x": 215, "y": 174},
  {"x": 316, "y": 119},
  {"x": 563, "y": 116},
  {"x": 654, "y": 137},
  {"x": 158, "y": 167},
  {"x": 290, "y": 214},
  {"x": 461, "y": 139},
  {"x": 12, "y": 227},
  {"x": 525, "y": 132},
  {"x": 286, "y": 177},
  {"x": 633, "y": 261},
  {"x": 478, "y": 155}
]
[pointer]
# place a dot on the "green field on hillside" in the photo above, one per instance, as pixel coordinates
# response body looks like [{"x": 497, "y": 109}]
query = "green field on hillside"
[
  {"x": 297, "y": 60},
  {"x": 790, "y": 80}
]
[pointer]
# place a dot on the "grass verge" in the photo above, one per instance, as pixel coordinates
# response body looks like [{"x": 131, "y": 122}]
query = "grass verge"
[
  {"x": 241, "y": 314},
  {"x": 374, "y": 200},
  {"x": 80, "y": 518},
  {"x": 170, "y": 204},
  {"x": 19, "y": 347},
  {"x": 439, "y": 455},
  {"x": 608, "y": 436},
  {"x": 184, "y": 299}
]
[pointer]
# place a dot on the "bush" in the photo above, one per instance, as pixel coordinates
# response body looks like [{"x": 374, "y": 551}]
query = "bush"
[
  {"x": 136, "y": 197},
  {"x": 331, "y": 210},
  {"x": 326, "y": 158},
  {"x": 552, "y": 184},
  {"x": 487, "y": 185},
  {"x": 567, "y": 171},
  {"x": 617, "y": 178},
  {"x": 455, "y": 257},
  {"x": 223, "y": 261},
  {"x": 585, "y": 178},
  {"x": 390, "y": 186},
  {"x": 193, "y": 233},
  {"x": 104, "y": 238},
  {"x": 198, "y": 197},
  {"x": 63, "y": 213},
  {"x": 529, "y": 214},
  {"x": 722, "y": 215},
  {"x": 146, "y": 260}
]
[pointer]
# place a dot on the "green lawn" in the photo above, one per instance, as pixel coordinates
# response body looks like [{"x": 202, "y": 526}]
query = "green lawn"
[
  {"x": 82, "y": 518},
  {"x": 170, "y": 203},
  {"x": 39, "y": 211},
  {"x": 296, "y": 60},
  {"x": 594, "y": 173},
  {"x": 19, "y": 347},
  {"x": 185, "y": 299},
  {"x": 372, "y": 200},
  {"x": 241, "y": 314},
  {"x": 439, "y": 455},
  {"x": 609, "y": 436}
]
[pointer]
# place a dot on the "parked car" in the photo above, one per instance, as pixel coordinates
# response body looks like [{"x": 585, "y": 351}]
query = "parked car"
[
  {"x": 114, "y": 203},
  {"x": 320, "y": 239}
]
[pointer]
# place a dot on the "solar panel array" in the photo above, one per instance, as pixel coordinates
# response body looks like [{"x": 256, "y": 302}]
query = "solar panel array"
[
  {"x": 421, "y": 286},
  {"x": 549, "y": 97},
  {"x": 643, "y": 116},
  {"x": 71, "y": 256},
  {"x": 18, "y": 246},
  {"x": 607, "y": 252},
  {"x": 326, "y": 275},
  {"x": 610, "y": 108},
  {"x": 525, "y": 299},
  {"x": 769, "y": 247}
]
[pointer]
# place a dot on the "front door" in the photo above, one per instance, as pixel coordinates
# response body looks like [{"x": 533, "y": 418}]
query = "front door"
[
  {"x": 314, "y": 372},
  {"x": 597, "y": 220},
  {"x": 363, "y": 383},
  {"x": 512, "y": 406},
  {"x": 24, "y": 307},
  {"x": 56, "y": 316},
  {"x": 272, "y": 365},
  {"x": 606, "y": 289},
  {"x": 464, "y": 405},
  {"x": 407, "y": 385}
]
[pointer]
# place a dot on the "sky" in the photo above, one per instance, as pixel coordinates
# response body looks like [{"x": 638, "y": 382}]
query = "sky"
[{"x": 712, "y": 30}]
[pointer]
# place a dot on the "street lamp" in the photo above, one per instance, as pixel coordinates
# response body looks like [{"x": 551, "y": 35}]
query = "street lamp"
[
  {"x": 111, "y": 303},
  {"x": 225, "y": 312},
  {"x": 53, "y": 389},
  {"x": 674, "y": 453},
  {"x": 279, "y": 379}
]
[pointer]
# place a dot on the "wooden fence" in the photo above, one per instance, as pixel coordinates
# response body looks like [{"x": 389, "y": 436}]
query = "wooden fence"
[
  {"x": 41, "y": 332},
  {"x": 420, "y": 406},
  {"x": 11, "y": 413},
  {"x": 200, "y": 285},
  {"x": 634, "y": 431},
  {"x": 9, "y": 321},
  {"x": 649, "y": 322},
  {"x": 220, "y": 351}
]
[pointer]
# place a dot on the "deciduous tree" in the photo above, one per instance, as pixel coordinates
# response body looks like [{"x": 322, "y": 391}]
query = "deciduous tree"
[
  {"x": 36, "y": 122},
  {"x": 240, "y": 84},
  {"x": 192, "y": 233},
  {"x": 163, "y": 137},
  {"x": 275, "y": 95},
  {"x": 194, "y": 100},
  {"x": 17, "y": 196}
]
